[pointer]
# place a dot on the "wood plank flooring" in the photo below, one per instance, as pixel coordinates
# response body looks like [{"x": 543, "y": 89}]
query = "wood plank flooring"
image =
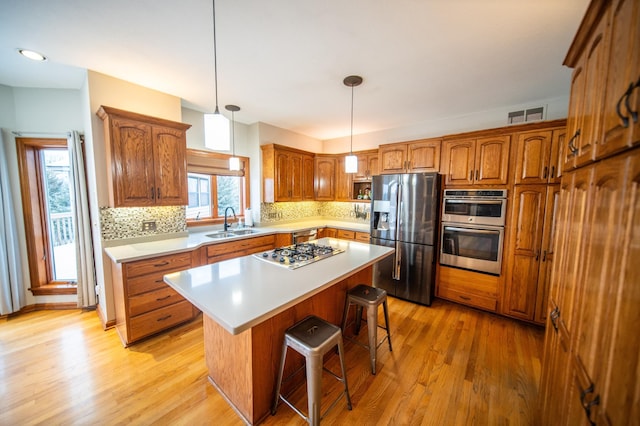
[{"x": 450, "y": 365}]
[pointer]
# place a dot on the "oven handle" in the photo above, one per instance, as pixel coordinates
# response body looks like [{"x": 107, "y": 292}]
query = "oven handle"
[
  {"x": 468, "y": 200},
  {"x": 477, "y": 230}
]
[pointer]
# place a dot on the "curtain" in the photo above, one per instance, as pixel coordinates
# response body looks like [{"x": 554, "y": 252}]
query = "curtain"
[
  {"x": 11, "y": 289},
  {"x": 82, "y": 222}
]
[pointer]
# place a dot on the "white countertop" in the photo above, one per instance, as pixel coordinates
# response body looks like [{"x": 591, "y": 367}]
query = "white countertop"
[
  {"x": 240, "y": 293},
  {"x": 141, "y": 250}
]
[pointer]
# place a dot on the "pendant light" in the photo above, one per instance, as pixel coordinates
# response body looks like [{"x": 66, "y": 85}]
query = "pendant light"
[
  {"x": 234, "y": 162},
  {"x": 351, "y": 161},
  {"x": 216, "y": 125}
]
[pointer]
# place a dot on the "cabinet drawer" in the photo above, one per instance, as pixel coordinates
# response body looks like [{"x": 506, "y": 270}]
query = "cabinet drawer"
[
  {"x": 146, "y": 283},
  {"x": 362, "y": 236},
  {"x": 153, "y": 300},
  {"x": 345, "y": 235},
  {"x": 240, "y": 245},
  {"x": 481, "y": 302},
  {"x": 160, "y": 319},
  {"x": 173, "y": 262}
]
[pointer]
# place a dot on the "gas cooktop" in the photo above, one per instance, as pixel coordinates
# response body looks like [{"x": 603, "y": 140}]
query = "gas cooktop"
[{"x": 298, "y": 255}]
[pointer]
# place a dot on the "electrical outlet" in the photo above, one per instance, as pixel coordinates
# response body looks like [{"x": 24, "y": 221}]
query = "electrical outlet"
[{"x": 149, "y": 225}]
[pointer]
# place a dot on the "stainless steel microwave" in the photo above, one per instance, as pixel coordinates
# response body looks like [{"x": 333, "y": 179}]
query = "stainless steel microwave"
[{"x": 471, "y": 206}]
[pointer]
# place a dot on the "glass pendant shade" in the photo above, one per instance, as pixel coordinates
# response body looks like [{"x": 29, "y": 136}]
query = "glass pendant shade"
[
  {"x": 351, "y": 163},
  {"x": 216, "y": 132},
  {"x": 234, "y": 163}
]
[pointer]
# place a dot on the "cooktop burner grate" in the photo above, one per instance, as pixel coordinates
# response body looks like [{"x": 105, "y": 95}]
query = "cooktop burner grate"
[{"x": 297, "y": 255}]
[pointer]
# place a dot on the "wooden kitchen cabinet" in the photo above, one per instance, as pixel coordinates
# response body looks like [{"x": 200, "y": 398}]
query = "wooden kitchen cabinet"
[
  {"x": 531, "y": 252},
  {"x": 584, "y": 121},
  {"x": 538, "y": 158},
  {"x": 367, "y": 165},
  {"x": 592, "y": 346},
  {"x": 144, "y": 304},
  {"x": 232, "y": 249},
  {"x": 476, "y": 161},
  {"x": 286, "y": 175},
  {"x": 146, "y": 158},
  {"x": 468, "y": 287},
  {"x": 410, "y": 157},
  {"x": 325, "y": 177},
  {"x": 622, "y": 88},
  {"x": 343, "y": 181}
]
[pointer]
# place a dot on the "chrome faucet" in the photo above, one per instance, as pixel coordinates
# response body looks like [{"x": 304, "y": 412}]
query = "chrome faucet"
[{"x": 226, "y": 224}]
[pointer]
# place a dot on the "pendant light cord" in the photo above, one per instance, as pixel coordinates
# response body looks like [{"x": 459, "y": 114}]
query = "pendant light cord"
[
  {"x": 215, "y": 57},
  {"x": 233, "y": 133},
  {"x": 351, "y": 147}
]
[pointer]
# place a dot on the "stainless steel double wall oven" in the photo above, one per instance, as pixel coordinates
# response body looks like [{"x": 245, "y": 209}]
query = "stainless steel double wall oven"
[{"x": 472, "y": 234}]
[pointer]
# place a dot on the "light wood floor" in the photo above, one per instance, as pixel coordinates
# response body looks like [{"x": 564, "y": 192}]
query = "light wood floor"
[{"x": 450, "y": 365}]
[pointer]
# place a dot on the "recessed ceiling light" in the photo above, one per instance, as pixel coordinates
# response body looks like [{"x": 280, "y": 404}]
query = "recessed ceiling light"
[{"x": 33, "y": 55}]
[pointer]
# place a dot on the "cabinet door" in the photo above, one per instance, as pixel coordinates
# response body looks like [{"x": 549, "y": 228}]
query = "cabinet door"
[
  {"x": 282, "y": 176},
  {"x": 372, "y": 165},
  {"x": 363, "y": 168},
  {"x": 533, "y": 157},
  {"x": 343, "y": 181},
  {"x": 132, "y": 163},
  {"x": 308, "y": 178},
  {"x": 558, "y": 143},
  {"x": 574, "y": 115},
  {"x": 392, "y": 158},
  {"x": 546, "y": 259},
  {"x": 593, "y": 96},
  {"x": 620, "y": 129},
  {"x": 325, "y": 178},
  {"x": 492, "y": 160},
  {"x": 528, "y": 217},
  {"x": 617, "y": 212},
  {"x": 296, "y": 176},
  {"x": 424, "y": 156},
  {"x": 458, "y": 160},
  {"x": 170, "y": 166}
]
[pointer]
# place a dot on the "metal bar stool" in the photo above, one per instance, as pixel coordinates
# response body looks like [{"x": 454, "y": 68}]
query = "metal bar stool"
[
  {"x": 364, "y": 296},
  {"x": 312, "y": 338}
]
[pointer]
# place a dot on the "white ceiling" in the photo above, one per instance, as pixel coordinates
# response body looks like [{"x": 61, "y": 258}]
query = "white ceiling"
[{"x": 283, "y": 61}]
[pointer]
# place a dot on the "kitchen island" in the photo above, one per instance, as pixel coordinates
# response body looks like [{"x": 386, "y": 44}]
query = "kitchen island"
[{"x": 248, "y": 303}]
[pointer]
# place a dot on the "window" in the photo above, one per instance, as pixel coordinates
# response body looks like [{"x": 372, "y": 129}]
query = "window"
[
  {"x": 49, "y": 228},
  {"x": 213, "y": 187}
]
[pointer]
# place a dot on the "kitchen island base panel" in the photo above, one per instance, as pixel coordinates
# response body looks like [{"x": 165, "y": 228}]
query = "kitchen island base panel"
[{"x": 244, "y": 367}]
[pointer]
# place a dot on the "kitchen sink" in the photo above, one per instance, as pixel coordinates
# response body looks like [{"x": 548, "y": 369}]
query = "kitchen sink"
[
  {"x": 243, "y": 231},
  {"x": 221, "y": 234}
]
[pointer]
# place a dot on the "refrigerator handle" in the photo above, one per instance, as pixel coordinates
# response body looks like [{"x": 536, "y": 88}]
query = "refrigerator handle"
[
  {"x": 398, "y": 210},
  {"x": 398, "y": 262}
]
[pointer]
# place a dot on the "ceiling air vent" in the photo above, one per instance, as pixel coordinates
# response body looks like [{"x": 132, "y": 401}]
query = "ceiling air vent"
[{"x": 531, "y": 114}]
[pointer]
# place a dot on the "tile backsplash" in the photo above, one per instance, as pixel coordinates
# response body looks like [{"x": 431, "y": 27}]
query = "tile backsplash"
[
  {"x": 127, "y": 222},
  {"x": 350, "y": 211}
]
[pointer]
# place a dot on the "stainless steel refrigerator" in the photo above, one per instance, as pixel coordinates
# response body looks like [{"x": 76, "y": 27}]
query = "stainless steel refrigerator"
[{"x": 404, "y": 215}]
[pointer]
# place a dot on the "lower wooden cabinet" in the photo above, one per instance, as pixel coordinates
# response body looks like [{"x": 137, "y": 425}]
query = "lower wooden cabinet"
[
  {"x": 144, "y": 304},
  {"x": 223, "y": 251},
  {"x": 467, "y": 287},
  {"x": 346, "y": 234},
  {"x": 530, "y": 253}
]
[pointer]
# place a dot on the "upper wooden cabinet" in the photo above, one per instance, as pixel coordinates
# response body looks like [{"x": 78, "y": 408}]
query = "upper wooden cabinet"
[
  {"x": 287, "y": 174},
  {"x": 622, "y": 91},
  {"x": 584, "y": 121},
  {"x": 325, "y": 179},
  {"x": 367, "y": 165},
  {"x": 343, "y": 180},
  {"x": 410, "y": 157},
  {"x": 147, "y": 159},
  {"x": 476, "y": 161},
  {"x": 538, "y": 158}
]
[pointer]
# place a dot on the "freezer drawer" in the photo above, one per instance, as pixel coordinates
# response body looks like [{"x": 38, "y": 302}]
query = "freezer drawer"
[{"x": 409, "y": 274}]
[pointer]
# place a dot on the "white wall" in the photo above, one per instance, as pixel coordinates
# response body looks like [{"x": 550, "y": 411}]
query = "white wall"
[
  {"x": 556, "y": 108},
  {"x": 101, "y": 90}
]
